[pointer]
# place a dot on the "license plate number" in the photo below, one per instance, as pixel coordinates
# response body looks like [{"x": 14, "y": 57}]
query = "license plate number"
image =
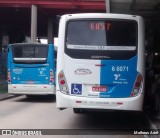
[{"x": 99, "y": 88}]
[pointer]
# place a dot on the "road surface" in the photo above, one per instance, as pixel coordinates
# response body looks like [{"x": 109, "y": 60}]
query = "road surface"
[{"x": 41, "y": 113}]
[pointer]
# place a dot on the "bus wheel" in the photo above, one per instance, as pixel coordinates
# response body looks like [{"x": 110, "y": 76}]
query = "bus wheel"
[
  {"x": 30, "y": 96},
  {"x": 77, "y": 110},
  {"x": 157, "y": 103}
]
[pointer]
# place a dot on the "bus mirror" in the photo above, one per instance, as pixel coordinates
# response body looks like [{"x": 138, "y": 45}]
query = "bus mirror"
[
  {"x": 58, "y": 17},
  {"x": 5, "y": 49}
]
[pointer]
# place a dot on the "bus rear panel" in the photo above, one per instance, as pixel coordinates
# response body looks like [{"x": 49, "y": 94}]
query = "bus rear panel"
[
  {"x": 100, "y": 62},
  {"x": 31, "y": 69}
]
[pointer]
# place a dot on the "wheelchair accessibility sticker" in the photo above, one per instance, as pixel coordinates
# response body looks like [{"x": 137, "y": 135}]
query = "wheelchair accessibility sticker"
[{"x": 76, "y": 88}]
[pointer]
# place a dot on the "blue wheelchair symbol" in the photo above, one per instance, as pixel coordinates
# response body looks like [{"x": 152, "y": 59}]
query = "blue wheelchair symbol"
[{"x": 76, "y": 89}]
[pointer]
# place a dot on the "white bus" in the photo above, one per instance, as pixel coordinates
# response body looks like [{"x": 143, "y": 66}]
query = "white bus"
[{"x": 100, "y": 62}]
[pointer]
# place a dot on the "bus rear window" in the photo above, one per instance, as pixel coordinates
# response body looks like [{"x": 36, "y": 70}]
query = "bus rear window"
[
  {"x": 101, "y": 39},
  {"x": 30, "y": 53}
]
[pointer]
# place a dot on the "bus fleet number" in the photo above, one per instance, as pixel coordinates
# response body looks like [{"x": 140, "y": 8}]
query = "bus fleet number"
[{"x": 120, "y": 68}]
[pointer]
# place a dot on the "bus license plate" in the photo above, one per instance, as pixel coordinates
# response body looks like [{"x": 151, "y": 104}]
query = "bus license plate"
[{"x": 99, "y": 88}]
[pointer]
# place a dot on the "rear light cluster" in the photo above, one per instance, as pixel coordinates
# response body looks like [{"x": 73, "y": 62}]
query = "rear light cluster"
[
  {"x": 63, "y": 83},
  {"x": 51, "y": 76},
  {"x": 9, "y": 76},
  {"x": 137, "y": 86}
]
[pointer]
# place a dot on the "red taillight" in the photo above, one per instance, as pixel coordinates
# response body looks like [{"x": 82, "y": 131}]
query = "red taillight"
[
  {"x": 51, "y": 76},
  {"x": 9, "y": 76},
  {"x": 137, "y": 85},
  {"x": 63, "y": 83}
]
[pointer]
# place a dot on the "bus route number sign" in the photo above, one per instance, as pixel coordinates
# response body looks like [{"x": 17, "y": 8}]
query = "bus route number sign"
[{"x": 120, "y": 68}]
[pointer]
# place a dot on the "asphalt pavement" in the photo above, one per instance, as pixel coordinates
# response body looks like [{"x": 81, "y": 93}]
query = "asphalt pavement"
[
  {"x": 5, "y": 96},
  {"x": 154, "y": 121}
]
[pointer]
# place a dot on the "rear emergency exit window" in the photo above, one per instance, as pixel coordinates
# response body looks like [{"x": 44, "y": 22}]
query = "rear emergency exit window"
[{"x": 30, "y": 53}]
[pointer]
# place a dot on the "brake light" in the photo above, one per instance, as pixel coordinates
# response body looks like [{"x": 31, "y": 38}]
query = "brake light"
[
  {"x": 51, "y": 76},
  {"x": 63, "y": 83},
  {"x": 137, "y": 86},
  {"x": 9, "y": 76}
]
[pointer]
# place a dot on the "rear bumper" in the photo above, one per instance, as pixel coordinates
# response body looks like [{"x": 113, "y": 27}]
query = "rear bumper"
[
  {"x": 128, "y": 104},
  {"x": 28, "y": 89}
]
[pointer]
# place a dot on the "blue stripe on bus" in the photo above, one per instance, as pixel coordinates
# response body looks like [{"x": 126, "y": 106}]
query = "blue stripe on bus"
[{"x": 119, "y": 77}]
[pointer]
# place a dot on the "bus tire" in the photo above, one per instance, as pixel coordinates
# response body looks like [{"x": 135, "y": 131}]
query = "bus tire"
[
  {"x": 77, "y": 110},
  {"x": 30, "y": 96},
  {"x": 157, "y": 101}
]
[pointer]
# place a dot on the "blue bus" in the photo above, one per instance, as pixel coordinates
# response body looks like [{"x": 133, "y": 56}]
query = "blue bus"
[
  {"x": 100, "y": 62},
  {"x": 31, "y": 69}
]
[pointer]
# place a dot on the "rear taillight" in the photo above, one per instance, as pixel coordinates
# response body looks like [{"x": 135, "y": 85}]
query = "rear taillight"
[
  {"x": 51, "y": 76},
  {"x": 9, "y": 76},
  {"x": 137, "y": 86},
  {"x": 63, "y": 83}
]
